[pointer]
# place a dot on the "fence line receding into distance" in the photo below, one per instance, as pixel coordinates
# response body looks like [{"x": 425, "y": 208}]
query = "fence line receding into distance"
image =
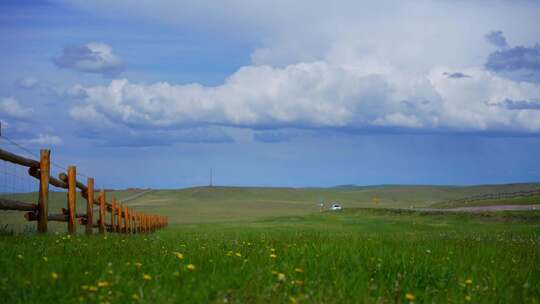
[
  {"x": 495, "y": 196},
  {"x": 122, "y": 218}
]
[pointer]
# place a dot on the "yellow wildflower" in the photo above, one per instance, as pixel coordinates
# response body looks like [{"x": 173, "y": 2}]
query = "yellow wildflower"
[
  {"x": 54, "y": 275},
  {"x": 409, "y": 296},
  {"x": 92, "y": 288},
  {"x": 468, "y": 281},
  {"x": 238, "y": 254},
  {"x": 179, "y": 255},
  {"x": 281, "y": 277},
  {"x": 299, "y": 270},
  {"x": 191, "y": 267},
  {"x": 273, "y": 255},
  {"x": 147, "y": 277},
  {"x": 102, "y": 283}
]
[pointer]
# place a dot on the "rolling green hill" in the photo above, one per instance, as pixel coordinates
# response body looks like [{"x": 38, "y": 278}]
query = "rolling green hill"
[
  {"x": 210, "y": 204},
  {"x": 229, "y": 204}
]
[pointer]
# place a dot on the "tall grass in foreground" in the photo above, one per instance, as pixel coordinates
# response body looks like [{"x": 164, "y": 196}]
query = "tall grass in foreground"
[{"x": 350, "y": 257}]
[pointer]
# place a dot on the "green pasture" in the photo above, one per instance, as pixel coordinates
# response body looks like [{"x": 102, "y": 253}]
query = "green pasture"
[
  {"x": 274, "y": 245},
  {"x": 233, "y": 204},
  {"x": 354, "y": 256}
]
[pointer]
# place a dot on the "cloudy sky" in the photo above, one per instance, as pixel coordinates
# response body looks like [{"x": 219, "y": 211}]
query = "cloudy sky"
[{"x": 276, "y": 93}]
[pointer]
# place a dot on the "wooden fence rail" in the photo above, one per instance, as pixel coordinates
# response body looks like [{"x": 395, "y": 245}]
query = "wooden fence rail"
[
  {"x": 493, "y": 196},
  {"x": 122, "y": 218}
]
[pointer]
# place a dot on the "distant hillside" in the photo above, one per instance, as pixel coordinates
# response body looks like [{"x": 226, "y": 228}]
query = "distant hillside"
[
  {"x": 204, "y": 204},
  {"x": 210, "y": 204}
]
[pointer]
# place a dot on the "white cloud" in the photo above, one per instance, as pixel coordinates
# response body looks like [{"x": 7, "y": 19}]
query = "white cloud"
[
  {"x": 349, "y": 65},
  {"x": 94, "y": 57},
  {"x": 319, "y": 94},
  {"x": 42, "y": 140},
  {"x": 89, "y": 114},
  {"x": 11, "y": 108}
]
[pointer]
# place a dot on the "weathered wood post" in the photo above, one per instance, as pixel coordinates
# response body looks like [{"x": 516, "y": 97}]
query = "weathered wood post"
[
  {"x": 128, "y": 219},
  {"x": 43, "y": 201},
  {"x": 90, "y": 206},
  {"x": 125, "y": 219},
  {"x": 134, "y": 222},
  {"x": 113, "y": 214},
  {"x": 72, "y": 197},
  {"x": 102, "y": 211},
  {"x": 144, "y": 223},
  {"x": 119, "y": 218}
]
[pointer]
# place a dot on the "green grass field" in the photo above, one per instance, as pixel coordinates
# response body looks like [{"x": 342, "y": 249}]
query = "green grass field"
[
  {"x": 531, "y": 200},
  {"x": 272, "y": 245},
  {"x": 226, "y": 204},
  {"x": 353, "y": 256}
]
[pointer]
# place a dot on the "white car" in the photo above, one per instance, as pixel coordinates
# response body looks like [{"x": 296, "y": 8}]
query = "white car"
[{"x": 336, "y": 207}]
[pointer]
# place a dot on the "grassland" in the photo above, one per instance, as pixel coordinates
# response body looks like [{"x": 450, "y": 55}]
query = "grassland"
[
  {"x": 232, "y": 204},
  {"x": 225, "y": 204},
  {"x": 345, "y": 257},
  {"x": 530, "y": 200},
  {"x": 273, "y": 245}
]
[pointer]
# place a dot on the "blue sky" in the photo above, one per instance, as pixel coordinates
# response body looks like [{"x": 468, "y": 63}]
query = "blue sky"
[{"x": 273, "y": 93}]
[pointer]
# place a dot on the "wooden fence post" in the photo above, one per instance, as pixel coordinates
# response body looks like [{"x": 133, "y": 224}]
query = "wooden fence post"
[
  {"x": 119, "y": 218},
  {"x": 102, "y": 211},
  {"x": 138, "y": 223},
  {"x": 90, "y": 206},
  {"x": 144, "y": 223},
  {"x": 128, "y": 220},
  {"x": 43, "y": 201},
  {"x": 113, "y": 215},
  {"x": 134, "y": 222},
  {"x": 72, "y": 197},
  {"x": 124, "y": 229}
]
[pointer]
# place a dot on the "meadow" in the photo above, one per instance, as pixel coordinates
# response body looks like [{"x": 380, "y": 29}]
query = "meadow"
[{"x": 241, "y": 251}]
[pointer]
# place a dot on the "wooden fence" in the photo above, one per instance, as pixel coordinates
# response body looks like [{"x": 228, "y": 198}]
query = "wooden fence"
[
  {"x": 122, "y": 218},
  {"x": 495, "y": 196}
]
